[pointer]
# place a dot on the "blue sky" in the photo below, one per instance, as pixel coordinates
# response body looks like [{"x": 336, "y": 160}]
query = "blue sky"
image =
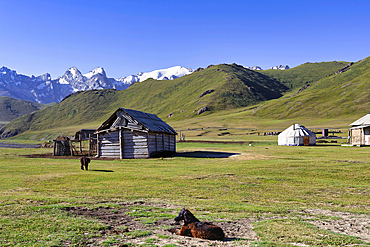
[{"x": 127, "y": 37}]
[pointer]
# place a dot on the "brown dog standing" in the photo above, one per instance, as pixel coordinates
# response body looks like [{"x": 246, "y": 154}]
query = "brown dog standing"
[{"x": 84, "y": 162}]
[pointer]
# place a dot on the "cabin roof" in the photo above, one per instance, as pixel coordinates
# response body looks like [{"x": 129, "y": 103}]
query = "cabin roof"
[
  {"x": 150, "y": 121},
  {"x": 364, "y": 121}
]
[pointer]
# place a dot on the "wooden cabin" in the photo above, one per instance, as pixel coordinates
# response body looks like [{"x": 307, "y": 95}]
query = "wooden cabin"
[
  {"x": 130, "y": 134},
  {"x": 360, "y": 131}
]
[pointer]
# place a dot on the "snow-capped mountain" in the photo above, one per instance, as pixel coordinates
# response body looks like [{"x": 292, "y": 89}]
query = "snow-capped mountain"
[
  {"x": 43, "y": 89},
  {"x": 280, "y": 67},
  {"x": 253, "y": 68},
  {"x": 160, "y": 74}
]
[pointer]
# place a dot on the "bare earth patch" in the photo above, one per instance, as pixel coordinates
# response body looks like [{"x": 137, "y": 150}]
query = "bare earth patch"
[
  {"x": 238, "y": 232},
  {"x": 343, "y": 223}
]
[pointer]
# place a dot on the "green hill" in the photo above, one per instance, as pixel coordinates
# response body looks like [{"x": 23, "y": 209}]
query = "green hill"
[
  {"x": 307, "y": 73},
  {"x": 13, "y": 108},
  {"x": 343, "y": 94},
  {"x": 216, "y": 88}
]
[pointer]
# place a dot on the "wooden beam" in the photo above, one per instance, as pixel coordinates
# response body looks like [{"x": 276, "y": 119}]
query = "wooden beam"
[
  {"x": 80, "y": 144},
  {"x": 55, "y": 146},
  {"x": 120, "y": 144},
  {"x": 97, "y": 145},
  {"x": 70, "y": 145},
  {"x": 89, "y": 144}
]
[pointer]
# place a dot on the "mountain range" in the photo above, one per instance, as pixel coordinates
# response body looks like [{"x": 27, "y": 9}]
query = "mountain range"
[
  {"x": 205, "y": 91},
  {"x": 44, "y": 89}
]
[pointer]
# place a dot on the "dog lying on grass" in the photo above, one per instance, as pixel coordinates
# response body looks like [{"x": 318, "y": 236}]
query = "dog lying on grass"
[{"x": 192, "y": 227}]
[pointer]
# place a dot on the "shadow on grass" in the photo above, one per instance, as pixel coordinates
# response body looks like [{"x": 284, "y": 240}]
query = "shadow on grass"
[
  {"x": 205, "y": 154},
  {"x": 101, "y": 170}
]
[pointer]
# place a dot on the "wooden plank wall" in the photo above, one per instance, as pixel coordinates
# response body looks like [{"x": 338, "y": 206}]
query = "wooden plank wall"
[
  {"x": 160, "y": 142},
  {"x": 135, "y": 144},
  {"x": 109, "y": 145},
  {"x": 155, "y": 143},
  {"x": 356, "y": 136}
]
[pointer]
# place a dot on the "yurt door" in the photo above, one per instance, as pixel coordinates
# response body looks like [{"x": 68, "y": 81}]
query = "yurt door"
[{"x": 306, "y": 141}]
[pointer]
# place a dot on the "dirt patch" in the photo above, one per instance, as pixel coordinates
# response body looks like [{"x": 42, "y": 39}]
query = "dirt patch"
[
  {"x": 238, "y": 232},
  {"x": 120, "y": 224},
  {"x": 342, "y": 222}
]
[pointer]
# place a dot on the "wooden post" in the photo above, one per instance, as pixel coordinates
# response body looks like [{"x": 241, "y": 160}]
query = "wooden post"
[
  {"x": 55, "y": 146},
  {"x": 89, "y": 144},
  {"x": 174, "y": 143},
  {"x": 70, "y": 145},
  {"x": 97, "y": 145},
  {"x": 120, "y": 144},
  {"x": 80, "y": 144}
]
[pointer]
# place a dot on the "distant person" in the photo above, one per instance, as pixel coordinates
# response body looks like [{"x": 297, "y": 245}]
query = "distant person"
[{"x": 84, "y": 163}]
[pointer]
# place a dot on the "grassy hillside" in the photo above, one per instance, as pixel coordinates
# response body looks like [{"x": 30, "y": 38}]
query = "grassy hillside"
[
  {"x": 85, "y": 107},
  {"x": 13, "y": 108},
  {"x": 218, "y": 90},
  {"x": 307, "y": 73},
  {"x": 337, "y": 95},
  {"x": 232, "y": 85},
  {"x": 215, "y": 88}
]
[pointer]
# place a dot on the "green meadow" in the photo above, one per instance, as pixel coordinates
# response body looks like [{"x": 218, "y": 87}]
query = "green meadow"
[
  {"x": 258, "y": 180},
  {"x": 284, "y": 191}
]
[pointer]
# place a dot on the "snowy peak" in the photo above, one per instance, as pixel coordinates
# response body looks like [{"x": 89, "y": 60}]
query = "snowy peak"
[
  {"x": 95, "y": 79},
  {"x": 44, "y": 77},
  {"x": 7, "y": 72},
  {"x": 160, "y": 74},
  {"x": 72, "y": 74},
  {"x": 4, "y": 70},
  {"x": 95, "y": 71},
  {"x": 253, "y": 68},
  {"x": 280, "y": 67},
  {"x": 167, "y": 74}
]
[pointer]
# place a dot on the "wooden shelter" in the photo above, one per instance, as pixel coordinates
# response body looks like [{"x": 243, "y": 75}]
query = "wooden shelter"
[
  {"x": 360, "y": 131},
  {"x": 62, "y": 146},
  {"x": 131, "y": 134},
  {"x": 85, "y": 134}
]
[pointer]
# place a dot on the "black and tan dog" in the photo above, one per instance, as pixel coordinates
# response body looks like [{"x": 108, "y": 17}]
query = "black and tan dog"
[{"x": 192, "y": 227}]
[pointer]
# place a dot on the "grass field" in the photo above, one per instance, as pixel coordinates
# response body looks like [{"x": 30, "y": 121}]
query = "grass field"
[{"x": 266, "y": 182}]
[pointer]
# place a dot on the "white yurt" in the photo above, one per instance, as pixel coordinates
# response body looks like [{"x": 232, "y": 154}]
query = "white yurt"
[{"x": 297, "y": 135}]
